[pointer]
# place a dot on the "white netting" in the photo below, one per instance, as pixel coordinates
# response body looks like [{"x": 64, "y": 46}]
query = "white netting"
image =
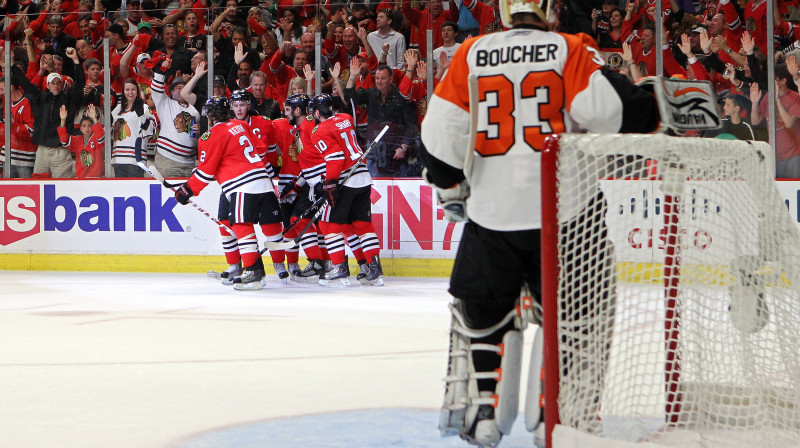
[{"x": 737, "y": 325}]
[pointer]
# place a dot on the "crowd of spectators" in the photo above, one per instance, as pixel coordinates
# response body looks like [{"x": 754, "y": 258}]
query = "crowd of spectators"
[{"x": 372, "y": 57}]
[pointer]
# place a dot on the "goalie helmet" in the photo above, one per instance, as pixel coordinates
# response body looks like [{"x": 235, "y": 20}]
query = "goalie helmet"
[
  {"x": 510, "y": 7},
  {"x": 322, "y": 103},
  {"x": 217, "y": 108}
]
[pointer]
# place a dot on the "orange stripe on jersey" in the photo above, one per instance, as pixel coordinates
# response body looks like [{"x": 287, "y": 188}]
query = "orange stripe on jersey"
[
  {"x": 583, "y": 59},
  {"x": 453, "y": 87}
]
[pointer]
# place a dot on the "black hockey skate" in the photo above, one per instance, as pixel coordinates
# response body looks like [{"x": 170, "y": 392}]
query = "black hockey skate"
[
  {"x": 375, "y": 274},
  {"x": 294, "y": 271},
  {"x": 363, "y": 268},
  {"x": 312, "y": 272},
  {"x": 251, "y": 278},
  {"x": 283, "y": 274},
  {"x": 337, "y": 275},
  {"x": 231, "y": 273}
]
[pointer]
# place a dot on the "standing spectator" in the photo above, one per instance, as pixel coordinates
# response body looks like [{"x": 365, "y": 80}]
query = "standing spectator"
[
  {"x": 58, "y": 39},
  {"x": 734, "y": 122},
  {"x": 449, "y": 45},
  {"x": 23, "y": 150},
  {"x": 282, "y": 72},
  {"x": 290, "y": 28},
  {"x": 259, "y": 101},
  {"x": 385, "y": 35},
  {"x": 88, "y": 147},
  {"x": 486, "y": 14},
  {"x": 180, "y": 56},
  {"x": 132, "y": 124},
  {"x": 118, "y": 45},
  {"x": 431, "y": 18},
  {"x": 787, "y": 124},
  {"x": 193, "y": 38},
  {"x": 227, "y": 48},
  {"x": 176, "y": 148},
  {"x": 385, "y": 106},
  {"x": 134, "y": 9},
  {"x": 51, "y": 157}
]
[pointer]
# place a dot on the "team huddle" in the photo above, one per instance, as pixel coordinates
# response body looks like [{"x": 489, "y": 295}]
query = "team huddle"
[{"x": 319, "y": 158}]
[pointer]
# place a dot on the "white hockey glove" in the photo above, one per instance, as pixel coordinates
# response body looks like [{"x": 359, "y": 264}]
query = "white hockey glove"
[{"x": 453, "y": 200}]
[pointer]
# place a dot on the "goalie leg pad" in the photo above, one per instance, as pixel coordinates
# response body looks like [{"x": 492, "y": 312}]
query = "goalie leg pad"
[
  {"x": 748, "y": 308},
  {"x": 534, "y": 396},
  {"x": 481, "y": 417}
]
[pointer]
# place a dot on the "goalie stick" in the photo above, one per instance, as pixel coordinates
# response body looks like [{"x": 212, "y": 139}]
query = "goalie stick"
[
  {"x": 318, "y": 206},
  {"x": 157, "y": 175}
]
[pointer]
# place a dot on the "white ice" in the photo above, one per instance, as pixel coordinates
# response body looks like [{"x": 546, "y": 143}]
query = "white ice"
[{"x": 178, "y": 360}]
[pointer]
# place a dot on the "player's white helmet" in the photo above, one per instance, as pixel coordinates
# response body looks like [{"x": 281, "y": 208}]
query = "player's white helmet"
[{"x": 510, "y": 7}]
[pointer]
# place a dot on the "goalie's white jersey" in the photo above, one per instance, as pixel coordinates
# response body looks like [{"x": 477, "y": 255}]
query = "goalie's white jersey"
[{"x": 530, "y": 83}]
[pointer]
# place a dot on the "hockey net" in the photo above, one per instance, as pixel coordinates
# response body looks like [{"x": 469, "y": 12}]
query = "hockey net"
[{"x": 671, "y": 294}]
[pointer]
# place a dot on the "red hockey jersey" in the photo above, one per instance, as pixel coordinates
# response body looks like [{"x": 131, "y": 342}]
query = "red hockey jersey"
[
  {"x": 229, "y": 153},
  {"x": 335, "y": 138}
]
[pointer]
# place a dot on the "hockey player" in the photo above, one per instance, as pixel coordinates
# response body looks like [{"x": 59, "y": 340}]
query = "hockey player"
[
  {"x": 228, "y": 153},
  {"x": 293, "y": 134},
  {"x": 261, "y": 127},
  {"x": 335, "y": 138},
  {"x": 528, "y": 83}
]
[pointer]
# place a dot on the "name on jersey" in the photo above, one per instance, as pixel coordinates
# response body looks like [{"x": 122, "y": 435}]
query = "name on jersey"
[
  {"x": 236, "y": 130},
  {"x": 516, "y": 54},
  {"x": 343, "y": 124}
]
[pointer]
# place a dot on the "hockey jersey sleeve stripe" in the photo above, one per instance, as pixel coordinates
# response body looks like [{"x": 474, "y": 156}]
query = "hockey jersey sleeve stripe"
[
  {"x": 203, "y": 176},
  {"x": 582, "y": 61},
  {"x": 334, "y": 156}
]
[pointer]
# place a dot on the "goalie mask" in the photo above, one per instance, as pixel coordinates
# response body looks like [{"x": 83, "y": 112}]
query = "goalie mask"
[{"x": 510, "y": 7}]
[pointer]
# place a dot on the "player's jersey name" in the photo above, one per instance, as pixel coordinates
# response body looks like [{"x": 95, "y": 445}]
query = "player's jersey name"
[
  {"x": 516, "y": 54},
  {"x": 236, "y": 130}
]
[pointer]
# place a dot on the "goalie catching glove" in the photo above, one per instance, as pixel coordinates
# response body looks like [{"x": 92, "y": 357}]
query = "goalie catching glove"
[
  {"x": 453, "y": 200},
  {"x": 183, "y": 194}
]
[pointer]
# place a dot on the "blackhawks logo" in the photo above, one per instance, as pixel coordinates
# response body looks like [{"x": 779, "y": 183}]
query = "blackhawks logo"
[
  {"x": 121, "y": 130},
  {"x": 183, "y": 122}
]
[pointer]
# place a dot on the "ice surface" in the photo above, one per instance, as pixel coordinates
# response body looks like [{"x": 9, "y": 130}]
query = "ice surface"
[{"x": 178, "y": 360}]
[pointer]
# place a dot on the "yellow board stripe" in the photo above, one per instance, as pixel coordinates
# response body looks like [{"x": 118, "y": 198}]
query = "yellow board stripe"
[{"x": 401, "y": 267}]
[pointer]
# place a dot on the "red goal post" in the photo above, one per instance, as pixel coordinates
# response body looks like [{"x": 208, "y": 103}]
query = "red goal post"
[{"x": 675, "y": 341}]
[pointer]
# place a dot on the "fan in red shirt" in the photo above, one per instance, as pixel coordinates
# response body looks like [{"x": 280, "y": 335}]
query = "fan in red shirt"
[
  {"x": 87, "y": 147},
  {"x": 335, "y": 139},
  {"x": 230, "y": 154}
]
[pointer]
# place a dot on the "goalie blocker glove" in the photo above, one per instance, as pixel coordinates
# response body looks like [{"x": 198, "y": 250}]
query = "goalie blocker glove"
[
  {"x": 183, "y": 194},
  {"x": 453, "y": 200}
]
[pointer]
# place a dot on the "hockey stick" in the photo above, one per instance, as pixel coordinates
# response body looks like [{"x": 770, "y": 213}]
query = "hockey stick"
[
  {"x": 157, "y": 175},
  {"x": 472, "y": 84},
  {"x": 318, "y": 206}
]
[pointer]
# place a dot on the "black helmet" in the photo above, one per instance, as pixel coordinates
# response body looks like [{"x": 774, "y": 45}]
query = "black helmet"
[
  {"x": 240, "y": 95},
  {"x": 217, "y": 108},
  {"x": 298, "y": 100},
  {"x": 322, "y": 103}
]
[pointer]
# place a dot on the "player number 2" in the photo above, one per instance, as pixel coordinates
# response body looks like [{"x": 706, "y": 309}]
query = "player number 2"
[
  {"x": 538, "y": 111},
  {"x": 249, "y": 151}
]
